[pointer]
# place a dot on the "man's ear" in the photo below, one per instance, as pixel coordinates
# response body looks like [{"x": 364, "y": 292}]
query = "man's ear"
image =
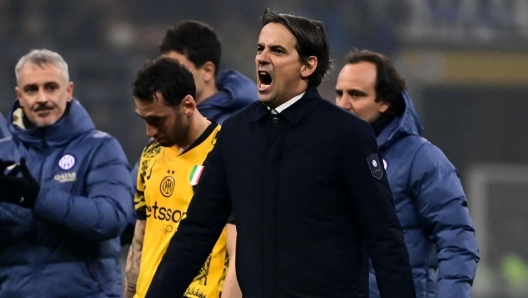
[
  {"x": 18, "y": 92},
  {"x": 309, "y": 67},
  {"x": 188, "y": 105},
  {"x": 384, "y": 106},
  {"x": 69, "y": 90},
  {"x": 207, "y": 71}
]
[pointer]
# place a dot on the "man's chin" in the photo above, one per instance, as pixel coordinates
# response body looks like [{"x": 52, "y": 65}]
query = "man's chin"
[
  {"x": 165, "y": 143},
  {"x": 266, "y": 99},
  {"x": 44, "y": 122}
]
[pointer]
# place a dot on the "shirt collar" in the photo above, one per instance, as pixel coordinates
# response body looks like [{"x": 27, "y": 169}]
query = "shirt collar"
[
  {"x": 287, "y": 104},
  {"x": 294, "y": 114}
]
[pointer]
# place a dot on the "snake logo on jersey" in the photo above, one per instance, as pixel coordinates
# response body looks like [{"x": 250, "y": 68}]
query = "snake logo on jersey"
[{"x": 164, "y": 191}]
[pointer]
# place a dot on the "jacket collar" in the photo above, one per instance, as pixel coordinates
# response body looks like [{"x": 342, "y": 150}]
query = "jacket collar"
[
  {"x": 293, "y": 114},
  {"x": 74, "y": 122},
  {"x": 406, "y": 124}
]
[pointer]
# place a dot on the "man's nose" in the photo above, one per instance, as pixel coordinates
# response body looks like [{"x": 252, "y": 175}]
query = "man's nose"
[
  {"x": 263, "y": 57},
  {"x": 151, "y": 131},
  {"x": 41, "y": 96},
  {"x": 342, "y": 103}
]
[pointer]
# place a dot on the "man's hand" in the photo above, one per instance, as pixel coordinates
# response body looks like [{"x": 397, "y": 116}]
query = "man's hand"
[
  {"x": 4, "y": 164},
  {"x": 23, "y": 190}
]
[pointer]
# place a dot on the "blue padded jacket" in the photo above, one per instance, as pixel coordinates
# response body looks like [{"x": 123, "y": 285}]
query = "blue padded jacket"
[
  {"x": 235, "y": 91},
  {"x": 67, "y": 245},
  {"x": 432, "y": 209},
  {"x": 4, "y": 130}
]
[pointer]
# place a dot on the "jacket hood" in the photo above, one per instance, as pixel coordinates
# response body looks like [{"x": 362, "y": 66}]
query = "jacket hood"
[
  {"x": 406, "y": 124},
  {"x": 74, "y": 122},
  {"x": 4, "y": 129},
  {"x": 235, "y": 91}
]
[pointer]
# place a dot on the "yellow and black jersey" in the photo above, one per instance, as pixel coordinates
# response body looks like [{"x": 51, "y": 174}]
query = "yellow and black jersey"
[{"x": 164, "y": 190}]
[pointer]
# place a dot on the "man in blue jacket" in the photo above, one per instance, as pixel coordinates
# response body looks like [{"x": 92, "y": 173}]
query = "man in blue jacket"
[
  {"x": 65, "y": 191},
  {"x": 219, "y": 94},
  {"x": 4, "y": 130},
  {"x": 428, "y": 195},
  {"x": 304, "y": 181}
]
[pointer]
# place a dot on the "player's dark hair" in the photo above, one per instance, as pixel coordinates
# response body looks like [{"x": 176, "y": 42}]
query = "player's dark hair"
[
  {"x": 196, "y": 40},
  {"x": 389, "y": 82},
  {"x": 312, "y": 40},
  {"x": 166, "y": 76}
]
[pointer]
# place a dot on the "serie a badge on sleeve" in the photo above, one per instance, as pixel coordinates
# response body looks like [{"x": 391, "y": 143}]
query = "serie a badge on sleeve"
[{"x": 375, "y": 166}]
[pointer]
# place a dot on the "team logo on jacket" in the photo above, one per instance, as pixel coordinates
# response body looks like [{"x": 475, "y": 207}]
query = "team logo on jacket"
[
  {"x": 167, "y": 186},
  {"x": 67, "y": 162},
  {"x": 375, "y": 167}
]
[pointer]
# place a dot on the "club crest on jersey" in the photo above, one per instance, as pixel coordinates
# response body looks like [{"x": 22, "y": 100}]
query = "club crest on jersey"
[
  {"x": 66, "y": 162},
  {"x": 167, "y": 186},
  {"x": 375, "y": 166}
]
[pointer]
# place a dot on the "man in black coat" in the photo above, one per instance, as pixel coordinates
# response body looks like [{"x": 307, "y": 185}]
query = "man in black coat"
[{"x": 305, "y": 183}]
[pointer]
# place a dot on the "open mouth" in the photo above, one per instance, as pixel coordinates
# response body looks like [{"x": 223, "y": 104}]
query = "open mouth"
[{"x": 264, "y": 79}]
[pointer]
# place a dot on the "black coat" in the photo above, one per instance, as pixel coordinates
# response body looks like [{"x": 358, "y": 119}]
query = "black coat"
[{"x": 307, "y": 205}]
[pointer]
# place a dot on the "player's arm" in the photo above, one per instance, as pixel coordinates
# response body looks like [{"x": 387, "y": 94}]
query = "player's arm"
[
  {"x": 134, "y": 259},
  {"x": 231, "y": 288}
]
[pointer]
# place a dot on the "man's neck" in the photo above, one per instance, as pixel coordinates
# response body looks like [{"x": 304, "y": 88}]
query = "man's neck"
[
  {"x": 208, "y": 92},
  {"x": 197, "y": 125}
]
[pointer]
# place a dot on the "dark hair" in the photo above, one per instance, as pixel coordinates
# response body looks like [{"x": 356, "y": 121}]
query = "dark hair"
[
  {"x": 312, "y": 40},
  {"x": 196, "y": 40},
  {"x": 166, "y": 76},
  {"x": 389, "y": 82}
]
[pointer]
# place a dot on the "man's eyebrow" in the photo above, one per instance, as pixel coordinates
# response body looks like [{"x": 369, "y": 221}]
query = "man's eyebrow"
[
  {"x": 272, "y": 46},
  {"x": 28, "y": 86},
  {"x": 354, "y": 90},
  {"x": 150, "y": 117},
  {"x": 277, "y": 47}
]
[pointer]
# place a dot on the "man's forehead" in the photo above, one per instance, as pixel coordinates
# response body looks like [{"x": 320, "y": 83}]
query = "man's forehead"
[
  {"x": 276, "y": 34},
  {"x": 156, "y": 106},
  {"x": 30, "y": 66},
  {"x": 364, "y": 71},
  {"x": 32, "y": 73}
]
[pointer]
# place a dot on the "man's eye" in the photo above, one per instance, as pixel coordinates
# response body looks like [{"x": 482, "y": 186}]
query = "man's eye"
[{"x": 155, "y": 122}]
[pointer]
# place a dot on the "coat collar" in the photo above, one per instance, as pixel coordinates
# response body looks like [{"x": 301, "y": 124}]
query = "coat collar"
[
  {"x": 406, "y": 124},
  {"x": 293, "y": 114},
  {"x": 74, "y": 122}
]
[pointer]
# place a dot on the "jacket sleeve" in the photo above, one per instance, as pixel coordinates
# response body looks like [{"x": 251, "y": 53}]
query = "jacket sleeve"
[
  {"x": 198, "y": 232},
  {"x": 442, "y": 206},
  {"x": 4, "y": 128},
  {"x": 375, "y": 213},
  {"x": 103, "y": 211}
]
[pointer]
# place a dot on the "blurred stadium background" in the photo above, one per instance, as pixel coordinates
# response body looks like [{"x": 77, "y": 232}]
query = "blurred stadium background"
[{"x": 466, "y": 63}]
